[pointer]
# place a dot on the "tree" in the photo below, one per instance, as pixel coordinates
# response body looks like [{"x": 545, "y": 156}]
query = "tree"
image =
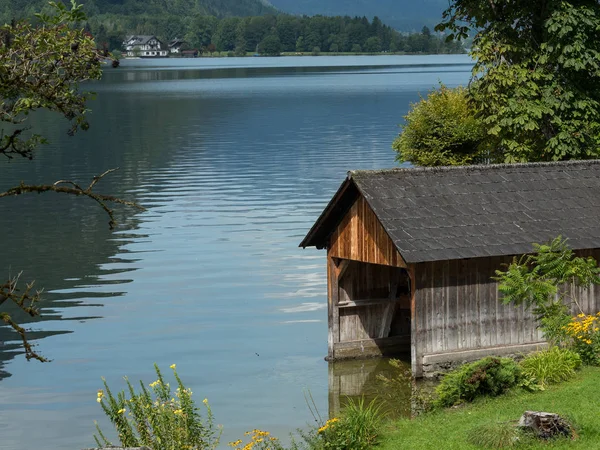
[
  {"x": 300, "y": 46},
  {"x": 271, "y": 45},
  {"x": 373, "y": 45},
  {"x": 537, "y": 74},
  {"x": 41, "y": 68},
  {"x": 441, "y": 130}
]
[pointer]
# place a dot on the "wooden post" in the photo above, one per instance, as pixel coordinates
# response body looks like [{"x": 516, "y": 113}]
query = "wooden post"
[
  {"x": 416, "y": 365},
  {"x": 333, "y": 308}
]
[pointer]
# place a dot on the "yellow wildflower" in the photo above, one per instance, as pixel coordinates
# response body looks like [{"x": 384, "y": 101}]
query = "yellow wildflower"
[
  {"x": 173, "y": 366},
  {"x": 100, "y": 395},
  {"x": 236, "y": 443},
  {"x": 178, "y": 412},
  {"x": 205, "y": 401},
  {"x": 121, "y": 411}
]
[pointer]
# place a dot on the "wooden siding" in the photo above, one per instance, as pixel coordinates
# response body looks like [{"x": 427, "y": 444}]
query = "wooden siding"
[
  {"x": 458, "y": 307},
  {"x": 361, "y": 237}
]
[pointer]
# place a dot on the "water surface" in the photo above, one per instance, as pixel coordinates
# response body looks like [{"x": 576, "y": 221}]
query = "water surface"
[{"x": 234, "y": 159}]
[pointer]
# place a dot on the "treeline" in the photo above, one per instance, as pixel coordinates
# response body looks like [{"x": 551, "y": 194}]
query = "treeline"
[{"x": 271, "y": 34}]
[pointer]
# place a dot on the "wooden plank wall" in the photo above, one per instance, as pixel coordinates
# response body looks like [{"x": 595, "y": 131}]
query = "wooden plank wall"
[
  {"x": 370, "y": 281},
  {"x": 361, "y": 237},
  {"x": 458, "y": 307}
]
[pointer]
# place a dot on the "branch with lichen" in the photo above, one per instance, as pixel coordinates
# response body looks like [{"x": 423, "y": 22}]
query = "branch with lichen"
[
  {"x": 69, "y": 187},
  {"x": 26, "y": 302}
]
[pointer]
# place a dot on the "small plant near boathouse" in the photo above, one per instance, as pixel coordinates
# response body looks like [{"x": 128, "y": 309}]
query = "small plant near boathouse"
[{"x": 157, "y": 418}]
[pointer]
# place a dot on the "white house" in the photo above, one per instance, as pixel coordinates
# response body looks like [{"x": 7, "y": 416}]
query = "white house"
[{"x": 145, "y": 46}]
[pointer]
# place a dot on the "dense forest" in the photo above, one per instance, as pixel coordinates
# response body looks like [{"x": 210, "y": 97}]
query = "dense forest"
[
  {"x": 403, "y": 15},
  {"x": 20, "y": 9},
  {"x": 273, "y": 34},
  {"x": 237, "y": 26}
]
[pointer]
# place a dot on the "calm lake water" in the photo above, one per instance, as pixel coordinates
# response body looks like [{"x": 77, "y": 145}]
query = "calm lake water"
[{"x": 234, "y": 159}]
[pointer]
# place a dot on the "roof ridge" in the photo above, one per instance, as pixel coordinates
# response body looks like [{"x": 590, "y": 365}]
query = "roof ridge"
[{"x": 470, "y": 168}]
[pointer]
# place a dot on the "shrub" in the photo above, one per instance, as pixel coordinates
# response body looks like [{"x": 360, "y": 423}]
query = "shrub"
[
  {"x": 357, "y": 428},
  {"x": 441, "y": 130},
  {"x": 584, "y": 331},
  {"x": 488, "y": 376},
  {"x": 157, "y": 418},
  {"x": 550, "y": 366}
]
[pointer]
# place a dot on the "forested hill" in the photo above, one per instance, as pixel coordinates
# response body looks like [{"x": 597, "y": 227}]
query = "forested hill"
[
  {"x": 404, "y": 15},
  {"x": 18, "y": 9}
]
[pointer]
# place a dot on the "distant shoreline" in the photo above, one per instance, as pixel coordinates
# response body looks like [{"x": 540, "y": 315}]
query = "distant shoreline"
[{"x": 284, "y": 54}]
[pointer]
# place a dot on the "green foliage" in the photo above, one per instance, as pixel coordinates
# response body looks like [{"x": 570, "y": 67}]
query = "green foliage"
[
  {"x": 487, "y": 377},
  {"x": 536, "y": 85},
  {"x": 550, "y": 366},
  {"x": 494, "y": 435},
  {"x": 271, "y": 46},
  {"x": 541, "y": 281},
  {"x": 441, "y": 130},
  {"x": 158, "y": 418},
  {"x": 357, "y": 428},
  {"x": 41, "y": 68}
]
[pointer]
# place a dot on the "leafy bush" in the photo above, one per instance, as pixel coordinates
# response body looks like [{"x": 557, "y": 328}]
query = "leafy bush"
[
  {"x": 157, "y": 418},
  {"x": 488, "y": 376},
  {"x": 357, "y": 428},
  {"x": 542, "y": 281},
  {"x": 441, "y": 130},
  {"x": 550, "y": 366},
  {"x": 584, "y": 331}
]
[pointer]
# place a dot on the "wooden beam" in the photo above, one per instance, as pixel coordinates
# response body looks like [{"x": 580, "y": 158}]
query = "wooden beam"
[
  {"x": 416, "y": 366},
  {"x": 388, "y": 312},
  {"x": 334, "y": 318},
  {"x": 340, "y": 268},
  {"x": 372, "y": 302}
]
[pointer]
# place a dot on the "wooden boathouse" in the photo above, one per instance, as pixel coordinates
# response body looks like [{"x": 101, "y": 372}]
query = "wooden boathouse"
[{"x": 411, "y": 254}]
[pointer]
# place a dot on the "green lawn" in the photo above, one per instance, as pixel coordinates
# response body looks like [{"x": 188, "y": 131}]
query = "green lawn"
[{"x": 577, "y": 400}]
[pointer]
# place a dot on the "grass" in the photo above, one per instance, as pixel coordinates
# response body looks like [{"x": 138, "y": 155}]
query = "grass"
[{"x": 577, "y": 400}]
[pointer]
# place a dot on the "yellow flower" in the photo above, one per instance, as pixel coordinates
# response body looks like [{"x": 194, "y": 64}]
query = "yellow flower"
[
  {"x": 205, "y": 401},
  {"x": 156, "y": 383},
  {"x": 173, "y": 366},
  {"x": 100, "y": 395},
  {"x": 121, "y": 411},
  {"x": 178, "y": 412},
  {"x": 581, "y": 315},
  {"x": 588, "y": 341},
  {"x": 236, "y": 443}
]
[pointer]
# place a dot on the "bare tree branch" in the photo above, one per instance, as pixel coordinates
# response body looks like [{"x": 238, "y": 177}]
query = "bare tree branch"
[
  {"x": 26, "y": 302},
  {"x": 73, "y": 188}
]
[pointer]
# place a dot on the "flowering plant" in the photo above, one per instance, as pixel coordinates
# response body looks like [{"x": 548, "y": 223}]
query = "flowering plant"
[
  {"x": 156, "y": 418},
  {"x": 584, "y": 330},
  {"x": 259, "y": 440}
]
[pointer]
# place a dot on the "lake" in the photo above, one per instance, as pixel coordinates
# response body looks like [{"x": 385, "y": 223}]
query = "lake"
[{"x": 234, "y": 160}]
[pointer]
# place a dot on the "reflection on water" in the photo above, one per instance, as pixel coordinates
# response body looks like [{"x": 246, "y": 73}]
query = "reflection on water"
[{"x": 233, "y": 167}]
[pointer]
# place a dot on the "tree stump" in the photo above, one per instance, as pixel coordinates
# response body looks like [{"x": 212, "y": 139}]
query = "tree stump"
[{"x": 545, "y": 425}]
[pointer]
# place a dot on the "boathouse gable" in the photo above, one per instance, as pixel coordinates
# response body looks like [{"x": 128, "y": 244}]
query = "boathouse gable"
[{"x": 411, "y": 254}]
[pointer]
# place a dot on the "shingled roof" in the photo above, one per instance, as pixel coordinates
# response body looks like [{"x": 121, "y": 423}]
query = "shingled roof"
[{"x": 446, "y": 213}]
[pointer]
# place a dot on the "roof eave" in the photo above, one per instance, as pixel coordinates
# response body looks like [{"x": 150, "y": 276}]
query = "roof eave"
[{"x": 332, "y": 215}]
